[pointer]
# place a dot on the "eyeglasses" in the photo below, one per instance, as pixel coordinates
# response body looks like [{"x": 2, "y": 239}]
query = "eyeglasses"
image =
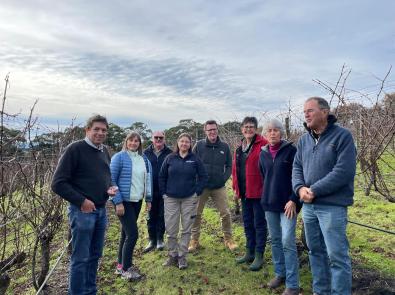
[
  {"x": 158, "y": 137},
  {"x": 211, "y": 130}
]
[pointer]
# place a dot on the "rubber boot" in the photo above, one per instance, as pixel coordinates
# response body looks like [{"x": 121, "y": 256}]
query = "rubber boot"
[
  {"x": 248, "y": 257},
  {"x": 258, "y": 262}
]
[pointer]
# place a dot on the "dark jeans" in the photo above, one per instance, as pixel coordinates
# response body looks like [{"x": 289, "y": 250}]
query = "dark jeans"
[
  {"x": 129, "y": 233},
  {"x": 87, "y": 230},
  {"x": 156, "y": 219},
  {"x": 255, "y": 228}
]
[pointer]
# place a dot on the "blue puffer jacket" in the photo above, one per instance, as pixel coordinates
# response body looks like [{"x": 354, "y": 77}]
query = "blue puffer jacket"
[{"x": 121, "y": 175}]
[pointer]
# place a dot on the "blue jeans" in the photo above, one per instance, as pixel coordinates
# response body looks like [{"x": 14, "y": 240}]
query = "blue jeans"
[
  {"x": 87, "y": 230},
  {"x": 284, "y": 252},
  {"x": 325, "y": 228},
  {"x": 255, "y": 228}
]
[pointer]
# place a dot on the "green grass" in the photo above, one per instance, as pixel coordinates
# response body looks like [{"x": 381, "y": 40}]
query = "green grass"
[{"x": 212, "y": 270}]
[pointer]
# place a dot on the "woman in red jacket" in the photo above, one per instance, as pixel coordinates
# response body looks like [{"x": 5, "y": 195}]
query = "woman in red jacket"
[{"x": 247, "y": 184}]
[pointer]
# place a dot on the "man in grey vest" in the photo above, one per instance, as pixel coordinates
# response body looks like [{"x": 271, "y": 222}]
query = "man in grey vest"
[{"x": 217, "y": 159}]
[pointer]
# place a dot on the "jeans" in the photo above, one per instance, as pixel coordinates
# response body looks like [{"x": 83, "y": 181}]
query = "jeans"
[
  {"x": 325, "y": 228},
  {"x": 255, "y": 228},
  {"x": 129, "y": 233},
  {"x": 156, "y": 219},
  {"x": 284, "y": 252},
  {"x": 221, "y": 203},
  {"x": 87, "y": 230}
]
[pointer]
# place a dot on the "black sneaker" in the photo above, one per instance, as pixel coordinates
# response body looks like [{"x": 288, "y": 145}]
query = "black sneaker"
[
  {"x": 160, "y": 245},
  {"x": 182, "y": 262},
  {"x": 151, "y": 246},
  {"x": 171, "y": 261}
]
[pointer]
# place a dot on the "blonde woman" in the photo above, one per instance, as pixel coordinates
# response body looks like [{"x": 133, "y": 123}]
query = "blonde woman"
[{"x": 132, "y": 173}]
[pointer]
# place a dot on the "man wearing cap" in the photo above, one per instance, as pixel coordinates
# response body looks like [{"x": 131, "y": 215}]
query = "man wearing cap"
[
  {"x": 217, "y": 159},
  {"x": 156, "y": 154}
]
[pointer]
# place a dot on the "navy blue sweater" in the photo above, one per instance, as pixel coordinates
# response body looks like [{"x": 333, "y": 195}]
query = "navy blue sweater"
[
  {"x": 156, "y": 163},
  {"x": 326, "y": 166},
  {"x": 182, "y": 177},
  {"x": 277, "y": 178}
]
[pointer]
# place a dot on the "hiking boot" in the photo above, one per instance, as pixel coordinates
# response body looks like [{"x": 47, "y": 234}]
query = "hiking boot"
[
  {"x": 248, "y": 257},
  {"x": 193, "y": 245},
  {"x": 132, "y": 274},
  {"x": 151, "y": 246},
  {"x": 230, "y": 244},
  {"x": 171, "y": 261},
  {"x": 118, "y": 269},
  {"x": 258, "y": 262},
  {"x": 276, "y": 282},
  {"x": 291, "y": 291},
  {"x": 182, "y": 262},
  {"x": 160, "y": 245}
]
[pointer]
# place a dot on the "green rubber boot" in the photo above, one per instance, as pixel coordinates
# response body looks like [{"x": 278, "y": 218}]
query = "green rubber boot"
[
  {"x": 258, "y": 262},
  {"x": 248, "y": 257}
]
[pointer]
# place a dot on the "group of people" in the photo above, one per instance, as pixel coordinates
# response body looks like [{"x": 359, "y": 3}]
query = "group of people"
[{"x": 271, "y": 177}]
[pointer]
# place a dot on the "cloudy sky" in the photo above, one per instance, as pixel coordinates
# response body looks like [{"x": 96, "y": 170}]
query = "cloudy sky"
[{"x": 162, "y": 61}]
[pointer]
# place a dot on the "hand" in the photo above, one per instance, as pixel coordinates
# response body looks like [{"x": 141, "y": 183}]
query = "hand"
[
  {"x": 88, "y": 206},
  {"x": 148, "y": 206},
  {"x": 290, "y": 209},
  {"x": 112, "y": 190},
  {"x": 306, "y": 195},
  {"x": 119, "y": 209}
]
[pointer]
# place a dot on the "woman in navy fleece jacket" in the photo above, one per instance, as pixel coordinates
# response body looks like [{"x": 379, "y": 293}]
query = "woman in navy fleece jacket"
[
  {"x": 281, "y": 206},
  {"x": 182, "y": 179}
]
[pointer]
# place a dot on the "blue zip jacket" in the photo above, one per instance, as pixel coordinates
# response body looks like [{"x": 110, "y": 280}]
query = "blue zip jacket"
[
  {"x": 156, "y": 163},
  {"x": 326, "y": 167},
  {"x": 182, "y": 177},
  {"x": 121, "y": 175},
  {"x": 277, "y": 178}
]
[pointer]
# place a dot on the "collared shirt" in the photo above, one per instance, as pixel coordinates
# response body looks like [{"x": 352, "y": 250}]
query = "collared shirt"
[{"x": 100, "y": 147}]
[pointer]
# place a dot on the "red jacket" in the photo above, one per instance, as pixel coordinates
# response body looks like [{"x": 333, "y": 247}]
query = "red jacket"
[{"x": 254, "y": 182}]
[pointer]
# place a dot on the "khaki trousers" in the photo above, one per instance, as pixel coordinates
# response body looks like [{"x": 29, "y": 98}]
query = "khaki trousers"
[
  {"x": 221, "y": 203},
  {"x": 176, "y": 210}
]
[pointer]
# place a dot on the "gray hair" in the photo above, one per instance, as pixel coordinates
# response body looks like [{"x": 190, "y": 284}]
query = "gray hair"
[
  {"x": 322, "y": 103},
  {"x": 273, "y": 123}
]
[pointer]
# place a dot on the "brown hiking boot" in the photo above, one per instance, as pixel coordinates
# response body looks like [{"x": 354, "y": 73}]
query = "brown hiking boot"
[
  {"x": 193, "y": 245},
  {"x": 276, "y": 282},
  {"x": 230, "y": 244}
]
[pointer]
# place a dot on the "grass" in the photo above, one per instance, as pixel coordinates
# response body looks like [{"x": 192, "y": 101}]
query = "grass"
[{"x": 212, "y": 270}]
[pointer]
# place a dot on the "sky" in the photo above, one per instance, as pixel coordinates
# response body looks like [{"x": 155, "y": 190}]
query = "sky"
[{"x": 162, "y": 61}]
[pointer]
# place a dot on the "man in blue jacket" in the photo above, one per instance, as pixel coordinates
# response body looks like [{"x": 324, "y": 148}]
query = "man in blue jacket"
[
  {"x": 323, "y": 178},
  {"x": 156, "y": 154}
]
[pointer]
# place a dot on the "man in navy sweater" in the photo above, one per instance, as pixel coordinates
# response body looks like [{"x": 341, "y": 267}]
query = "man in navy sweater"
[
  {"x": 323, "y": 178},
  {"x": 82, "y": 177},
  {"x": 156, "y": 154}
]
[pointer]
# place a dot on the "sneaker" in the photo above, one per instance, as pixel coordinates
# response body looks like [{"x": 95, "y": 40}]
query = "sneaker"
[
  {"x": 291, "y": 291},
  {"x": 276, "y": 282},
  {"x": 160, "y": 245},
  {"x": 193, "y": 245},
  {"x": 182, "y": 262},
  {"x": 171, "y": 261},
  {"x": 151, "y": 246},
  {"x": 132, "y": 274},
  {"x": 118, "y": 269},
  {"x": 230, "y": 244}
]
